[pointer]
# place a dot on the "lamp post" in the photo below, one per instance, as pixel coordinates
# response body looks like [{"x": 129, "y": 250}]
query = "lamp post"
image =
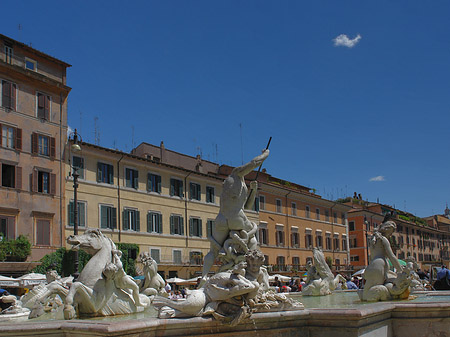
[{"x": 75, "y": 147}]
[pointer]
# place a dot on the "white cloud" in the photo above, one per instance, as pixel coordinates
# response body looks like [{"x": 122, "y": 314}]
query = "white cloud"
[
  {"x": 377, "y": 178},
  {"x": 69, "y": 131},
  {"x": 343, "y": 40}
]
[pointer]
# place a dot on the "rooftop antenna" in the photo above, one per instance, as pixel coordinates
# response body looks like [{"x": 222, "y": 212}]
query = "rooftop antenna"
[{"x": 242, "y": 147}]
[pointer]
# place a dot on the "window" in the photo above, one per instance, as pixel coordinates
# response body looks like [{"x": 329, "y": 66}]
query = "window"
[
  {"x": 105, "y": 173},
  {"x": 131, "y": 220},
  {"x": 7, "y": 139},
  {"x": 353, "y": 242},
  {"x": 176, "y": 187},
  {"x": 210, "y": 192},
  {"x": 43, "y": 106},
  {"x": 30, "y": 64},
  {"x": 328, "y": 242},
  {"x": 209, "y": 226},
  {"x": 354, "y": 258},
  {"x": 263, "y": 236},
  {"x": 43, "y": 232},
  {"x": 344, "y": 243},
  {"x": 336, "y": 243},
  {"x": 296, "y": 262},
  {"x": 108, "y": 217},
  {"x": 281, "y": 262},
  {"x": 43, "y": 182},
  {"x": 319, "y": 240},
  {"x": 343, "y": 218},
  {"x": 194, "y": 191},
  {"x": 196, "y": 258},
  {"x": 308, "y": 240},
  {"x": 327, "y": 215},
  {"x": 81, "y": 213},
  {"x": 43, "y": 145},
  {"x": 279, "y": 206},
  {"x": 195, "y": 227},
  {"x": 154, "y": 222},
  {"x": 351, "y": 225},
  {"x": 262, "y": 202},
  {"x": 177, "y": 256},
  {"x": 8, "y": 54},
  {"x": 266, "y": 260},
  {"x": 279, "y": 237},
  {"x": 78, "y": 164},
  {"x": 307, "y": 213},
  {"x": 295, "y": 240},
  {"x": 294, "y": 209},
  {"x": 153, "y": 183},
  {"x": 155, "y": 254},
  {"x": 9, "y": 91},
  {"x": 176, "y": 225},
  {"x": 8, "y": 175},
  {"x": 335, "y": 217},
  {"x": 7, "y": 227},
  {"x": 131, "y": 178},
  {"x": 317, "y": 214}
]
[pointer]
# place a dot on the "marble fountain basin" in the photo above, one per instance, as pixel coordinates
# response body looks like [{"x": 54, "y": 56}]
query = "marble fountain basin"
[{"x": 339, "y": 314}]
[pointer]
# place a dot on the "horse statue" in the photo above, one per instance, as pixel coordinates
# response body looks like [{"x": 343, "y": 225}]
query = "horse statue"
[
  {"x": 96, "y": 293},
  {"x": 153, "y": 283},
  {"x": 321, "y": 280}
]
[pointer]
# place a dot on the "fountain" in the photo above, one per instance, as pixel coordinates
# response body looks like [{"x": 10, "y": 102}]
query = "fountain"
[{"x": 238, "y": 299}]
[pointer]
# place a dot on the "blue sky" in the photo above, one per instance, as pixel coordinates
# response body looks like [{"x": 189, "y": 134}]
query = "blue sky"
[{"x": 220, "y": 77}]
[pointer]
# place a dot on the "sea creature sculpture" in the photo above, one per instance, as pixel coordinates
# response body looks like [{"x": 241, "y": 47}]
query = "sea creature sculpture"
[
  {"x": 380, "y": 285},
  {"x": 95, "y": 293},
  {"x": 230, "y": 296},
  {"x": 153, "y": 283},
  {"x": 321, "y": 280}
]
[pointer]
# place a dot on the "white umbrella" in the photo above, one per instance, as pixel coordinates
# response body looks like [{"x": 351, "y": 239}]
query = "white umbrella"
[
  {"x": 359, "y": 272},
  {"x": 280, "y": 278},
  {"x": 191, "y": 281},
  {"x": 175, "y": 280},
  {"x": 6, "y": 281},
  {"x": 32, "y": 279}
]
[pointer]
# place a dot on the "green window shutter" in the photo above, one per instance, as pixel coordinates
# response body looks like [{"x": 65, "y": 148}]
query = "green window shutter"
[
  {"x": 191, "y": 227},
  {"x": 136, "y": 180},
  {"x": 171, "y": 224},
  {"x": 200, "y": 229},
  {"x": 149, "y": 182},
  {"x": 172, "y": 187},
  {"x": 138, "y": 221},
  {"x": 111, "y": 174},
  {"x": 113, "y": 217},
  {"x": 149, "y": 222},
  {"x": 99, "y": 172},
  {"x": 158, "y": 184},
  {"x": 160, "y": 223},
  {"x": 180, "y": 189},
  {"x": 71, "y": 214},
  {"x": 125, "y": 224},
  {"x": 81, "y": 214},
  {"x": 103, "y": 217},
  {"x": 182, "y": 225},
  {"x": 191, "y": 191}
]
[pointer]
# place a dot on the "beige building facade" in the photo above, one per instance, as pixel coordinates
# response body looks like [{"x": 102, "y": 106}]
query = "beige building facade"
[{"x": 33, "y": 127}]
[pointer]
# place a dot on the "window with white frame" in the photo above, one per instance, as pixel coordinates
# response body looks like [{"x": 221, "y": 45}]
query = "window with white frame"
[
  {"x": 177, "y": 256},
  {"x": 155, "y": 254},
  {"x": 43, "y": 142},
  {"x": 293, "y": 209},
  {"x": 108, "y": 217},
  {"x": 263, "y": 236},
  {"x": 30, "y": 64},
  {"x": 195, "y": 227},
  {"x": 279, "y": 235},
  {"x": 195, "y": 191},
  {"x": 262, "y": 202},
  {"x": 131, "y": 219},
  {"x": 9, "y": 53},
  {"x": 131, "y": 178},
  {"x": 176, "y": 224},
  {"x": 105, "y": 173},
  {"x": 81, "y": 213},
  {"x": 307, "y": 212},
  {"x": 319, "y": 240},
  {"x": 327, "y": 241},
  {"x": 8, "y": 137},
  {"x": 279, "y": 206},
  {"x": 295, "y": 240},
  {"x": 210, "y": 195},
  {"x": 153, "y": 183},
  {"x": 308, "y": 240},
  {"x": 154, "y": 222},
  {"x": 327, "y": 215},
  {"x": 317, "y": 214},
  {"x": 209, "y": 226}
]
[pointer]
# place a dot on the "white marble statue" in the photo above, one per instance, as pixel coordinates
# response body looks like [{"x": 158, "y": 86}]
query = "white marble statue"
[
  {"x": 230, "y": 296},
  {"x": 103, "y": 288},
  {"x": 233, "y": 234},
  {"x": 416, "y": 283},
  {"x": 153, "y": 283},
  {"x": 321, "y": 280},
  {"x": 380, "y": 285}
]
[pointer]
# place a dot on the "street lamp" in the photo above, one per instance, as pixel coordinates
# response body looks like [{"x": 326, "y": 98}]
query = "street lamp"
[{"x": 75, "y": 148}]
